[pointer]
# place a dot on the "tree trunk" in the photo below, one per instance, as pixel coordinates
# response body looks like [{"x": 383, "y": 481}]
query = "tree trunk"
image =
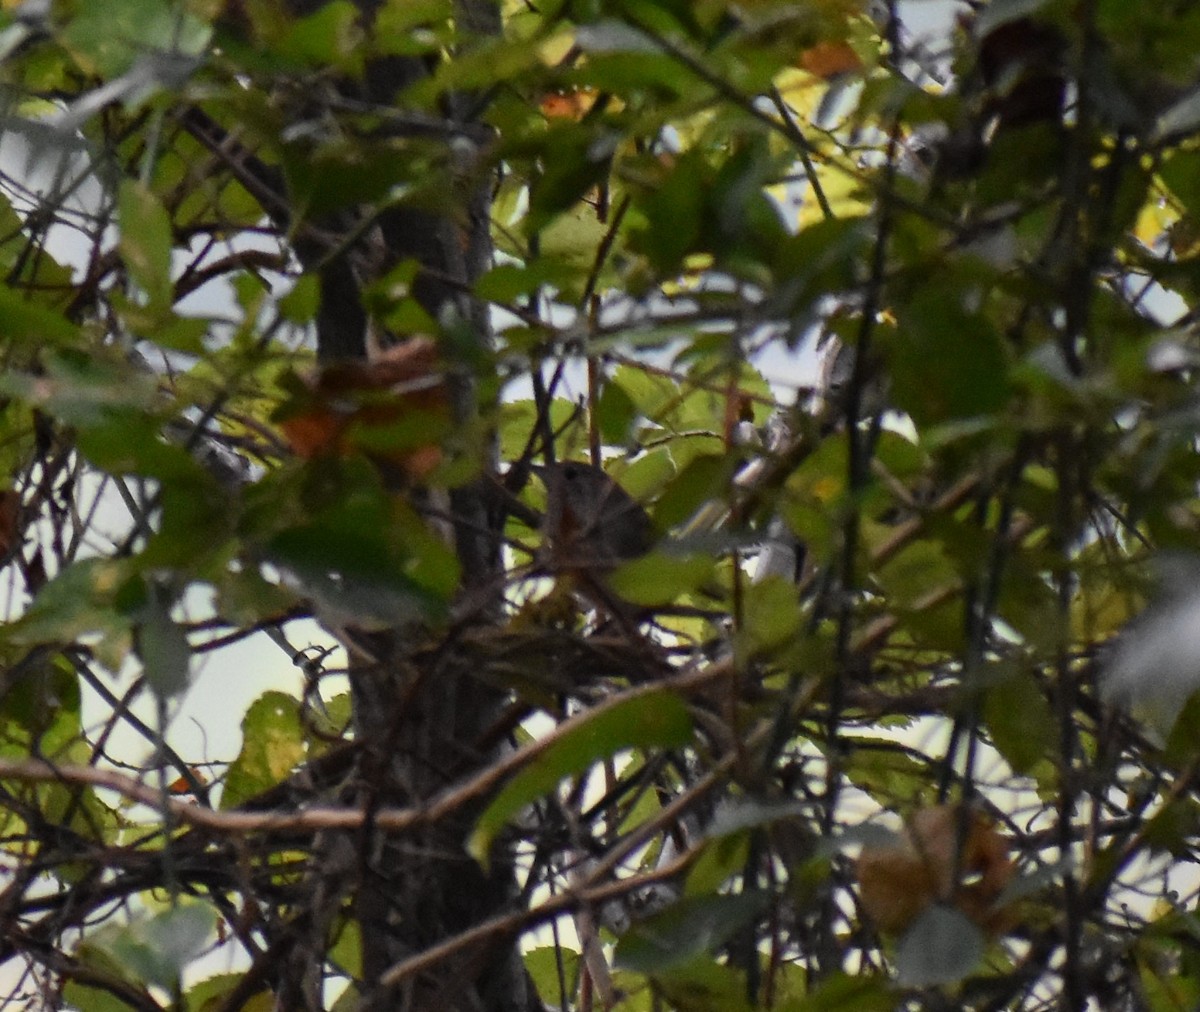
[{"x": 418, "y": 711}]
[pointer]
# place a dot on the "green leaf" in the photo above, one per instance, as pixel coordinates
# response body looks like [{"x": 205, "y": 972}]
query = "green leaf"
[
  {"x": 1020, "y": 721},
  {"x": 881, "y": 770},
  {"x": 720, "y": 860},
  {"x": 108, "y": 39},
  {"x": 79, "y": 601},
  {"x": 210, "y": 994},
  {"x": 705, "y": 477},
  {"x": 163, "y": 645},
  {"x": 122, "y": 441},
  {"x": 916, "y": 571},
  {"x": 25, "y": 321},
  {"x": 1180, "y": 170},
  {"x": 82, "y": 390},
  {"x": 300, "y": 304},
  {"x": 579, "y": 163},
  {"x": 272, "y": 746},
  {"x": 325, "y": 726},
  {"x": 844, "y": 993},
  {"x": 644, "y": 476},
  {"x": 1184, "y": 732},
  {"x": 505, "y": 283},
  {"x": 692, "y": 927},
  {"x": 403, "y": 27},
  {"x": 771, "y": 616},
  {"x": 346, "y": 951},
  {"x": 69, "y": 807},
  {"x": 156, "y": 949},
  {"x": 194, "y": 528},
  {"x": 331, "y": 37},
  {"x": 337, "y": 172},
  {"x": 673, "y": 211},
  {"x": 946, "y": 362},
  {"x": 170, "y": 331},
  {"x": 573, "y": 239},
  {"x": 821, "y": 260},
  {"x": 654, "y": 720},
  {"x": 701, "y": 985},
  {"x": 46, "y": 693},
  {"x": 94, "y": 999},
  {"x": 246, "y": 597},
  {"x": 648, "y": 391},
  {"x": 145, "y": 243},
  {"x": 615, "y": 413},
  {"x": 364, "y": 558},
  {"x": 544, "y": 964},
  {"x": 517, "y": 420},
  {"x": 941, "y": 947},
  {"x": 660, "y": 577}
]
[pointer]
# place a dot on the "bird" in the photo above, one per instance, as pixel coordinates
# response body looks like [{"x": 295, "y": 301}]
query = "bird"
[
  {"x": 590, "y": 527},
  {"x": 591, "y": 523}
]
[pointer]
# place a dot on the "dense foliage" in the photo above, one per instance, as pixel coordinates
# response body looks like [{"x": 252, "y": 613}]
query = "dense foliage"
[{"x": 301, "y": 299}]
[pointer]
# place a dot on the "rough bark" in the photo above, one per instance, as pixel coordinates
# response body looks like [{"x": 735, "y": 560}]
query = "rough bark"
[{"x": 418, "y": 711}]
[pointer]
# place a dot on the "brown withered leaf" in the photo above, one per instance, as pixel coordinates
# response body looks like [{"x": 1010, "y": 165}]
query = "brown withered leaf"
[
  {"x": 923, "y": 866},
  {"x": 361, "y": 404}
]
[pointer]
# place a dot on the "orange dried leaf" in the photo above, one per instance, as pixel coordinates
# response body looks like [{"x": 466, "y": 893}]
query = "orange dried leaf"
[
  {"x": 313, "y": 433},
  {"x": 568, "y": 104},
  {"x": 345, "y": 400},
  {"x": 828, "y": 59},
  {"x": 180, "y": 784}
]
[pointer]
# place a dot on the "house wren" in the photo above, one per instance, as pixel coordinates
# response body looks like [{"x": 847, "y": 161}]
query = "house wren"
[{"x": 591, "y": 522}]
